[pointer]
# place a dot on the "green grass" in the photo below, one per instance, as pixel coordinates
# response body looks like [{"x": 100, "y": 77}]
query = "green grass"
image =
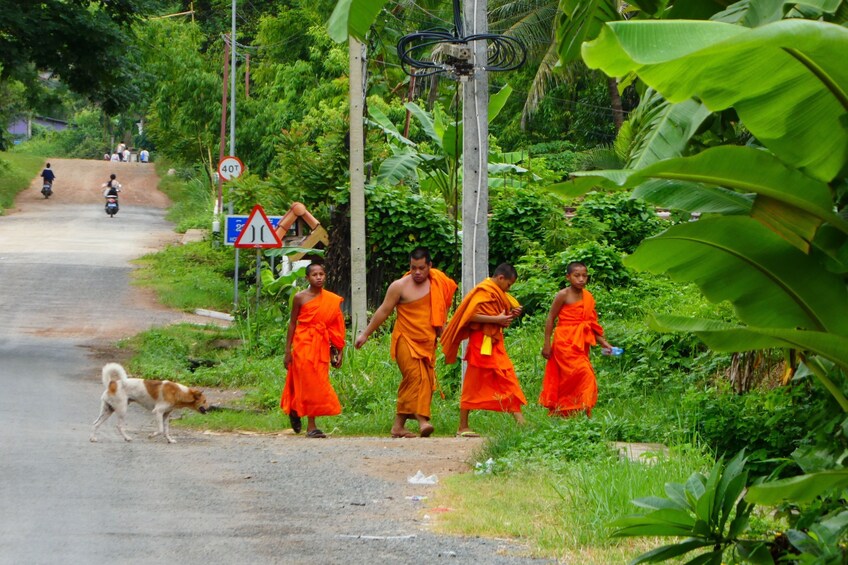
[
  {"x": 561, "y": 513},
  {"x": 16, "y": 172},
  {"x": 189, "y": 276},
  {"x": 192, "y": 195}
]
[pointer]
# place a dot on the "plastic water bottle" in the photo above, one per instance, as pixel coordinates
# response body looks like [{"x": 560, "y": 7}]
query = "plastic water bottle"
[{"x": 615, "y": 351}]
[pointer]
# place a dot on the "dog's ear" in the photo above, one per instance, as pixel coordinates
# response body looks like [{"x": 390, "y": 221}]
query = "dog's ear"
[{"x": 197, "y": 393}]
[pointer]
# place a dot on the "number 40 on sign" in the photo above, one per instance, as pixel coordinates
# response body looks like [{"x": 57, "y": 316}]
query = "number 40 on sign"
[{"x": 230, "y": 168}]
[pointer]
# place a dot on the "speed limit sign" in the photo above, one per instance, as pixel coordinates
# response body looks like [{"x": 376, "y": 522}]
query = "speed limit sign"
[{"x": 230, "y": 168}]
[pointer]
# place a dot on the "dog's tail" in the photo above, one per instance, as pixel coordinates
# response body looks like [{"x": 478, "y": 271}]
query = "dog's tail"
[{"x": 113, "y": 372}]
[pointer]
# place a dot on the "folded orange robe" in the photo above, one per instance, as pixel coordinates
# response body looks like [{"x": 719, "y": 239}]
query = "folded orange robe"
[
  {"x": 414, "y": 344},
  {"x": 490, "y": 381},
  {"x": 569, "y": 383},
  {"x": 308, "y": 391}
]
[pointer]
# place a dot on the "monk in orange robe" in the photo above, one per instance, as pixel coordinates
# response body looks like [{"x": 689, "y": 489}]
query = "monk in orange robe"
[
  {"x": 315, "y": 339},
  {"x": 422, "y": 298},
  {"x": 490, "y": 381},
  {"x": 569, "y": 385}
]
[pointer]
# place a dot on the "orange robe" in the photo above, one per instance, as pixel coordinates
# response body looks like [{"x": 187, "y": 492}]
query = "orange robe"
[
  {"x": 414, "y": 344},
  {"x": 490, "y": 381},
  {"x": 308, "y": 391},
  {"x": 569, "y": 384}
]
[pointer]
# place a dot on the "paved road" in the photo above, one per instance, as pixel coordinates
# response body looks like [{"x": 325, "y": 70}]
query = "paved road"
[{"x": 210, "y": 498}]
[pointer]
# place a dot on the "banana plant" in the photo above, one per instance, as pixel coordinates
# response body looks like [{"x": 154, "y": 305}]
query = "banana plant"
[
  {"x": 438, "y": 171},
  {"x": 772, "y": 209},
  {"x": 708, "y": 510},
  {"x": 284, "y": 287}
]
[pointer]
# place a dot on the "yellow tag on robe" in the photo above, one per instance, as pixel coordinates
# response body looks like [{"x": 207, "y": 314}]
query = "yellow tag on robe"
[
  {"x": 513, "y": 302},
  {"x": 486, "y": 348}
]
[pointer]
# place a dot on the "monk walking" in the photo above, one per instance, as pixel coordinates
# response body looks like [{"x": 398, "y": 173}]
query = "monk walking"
[
  {"x": 569, "y": 385},
  {"x": 422, "y": 298},
  {"x": 490, "y": 380},
  {"x": 315, "y": 339}
]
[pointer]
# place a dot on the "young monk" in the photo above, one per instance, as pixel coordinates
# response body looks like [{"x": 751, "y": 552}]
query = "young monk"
[
  {"x": 569, "y": 385},
  {"x": 490, "y": 380},
  {"x": 422, "y": 298},
  {"x": 315, "y": 338}
]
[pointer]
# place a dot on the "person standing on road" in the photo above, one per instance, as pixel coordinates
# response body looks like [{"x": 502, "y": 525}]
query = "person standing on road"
[
  {"x": 144, "y": 156},
  {"x": 315, "y": 339},
  {"x": 422, "y": 298},
  {"x": 569, "y": 385},
  {"x": 490, "y": 381}
]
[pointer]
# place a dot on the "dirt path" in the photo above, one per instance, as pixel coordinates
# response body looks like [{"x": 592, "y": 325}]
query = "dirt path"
[
  {"x": 79, "y": 181},
  {"x": 67, "y": 297}
]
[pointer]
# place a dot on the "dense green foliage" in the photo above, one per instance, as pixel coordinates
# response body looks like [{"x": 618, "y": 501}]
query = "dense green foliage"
[
  {"x": 16, "y": 172},
  {"x": 767, "y": 195},
  {"x": 398, "y": 221}
]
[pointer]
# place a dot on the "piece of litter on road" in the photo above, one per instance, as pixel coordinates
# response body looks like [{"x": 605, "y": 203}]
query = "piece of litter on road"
[
  {"x": 361, "y": 536},
  {"x": 357, "y": 504},
  {"x": 420, "y": 479},
  {"x": 416, "y": 498},
  {"x": 440, "y": 509}
]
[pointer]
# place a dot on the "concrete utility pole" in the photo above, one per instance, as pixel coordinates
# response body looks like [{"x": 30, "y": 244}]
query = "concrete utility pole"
[
  {"x": 358, "y": 295},
  {"x": 475, "y": 154}
]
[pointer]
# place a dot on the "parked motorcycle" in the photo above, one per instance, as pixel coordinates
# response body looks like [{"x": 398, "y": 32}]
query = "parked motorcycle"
[
  {"x": 112, "y": 205},
  {"x": 47, "y": 189}
]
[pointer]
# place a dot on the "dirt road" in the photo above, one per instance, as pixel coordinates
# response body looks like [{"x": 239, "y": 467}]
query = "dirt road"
[{"x": 210, "y": 498}]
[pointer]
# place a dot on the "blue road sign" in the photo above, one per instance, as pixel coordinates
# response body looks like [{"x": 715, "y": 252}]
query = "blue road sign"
[{"x": 234, "y": 224}]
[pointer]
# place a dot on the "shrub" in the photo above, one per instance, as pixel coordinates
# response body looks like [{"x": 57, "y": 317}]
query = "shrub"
[
  {"x": 398, "y": 221},
  {"x": 768, "y": 423},
  {"x": 603, "y": 261},
  {"x": 628, "y": 221},
  {"x": 519, "y": 217}
]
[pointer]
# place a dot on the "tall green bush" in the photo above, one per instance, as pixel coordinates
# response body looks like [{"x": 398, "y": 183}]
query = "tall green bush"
[
  {"x": 397, "y": 221},
  {"x": 519, "y": 217}
]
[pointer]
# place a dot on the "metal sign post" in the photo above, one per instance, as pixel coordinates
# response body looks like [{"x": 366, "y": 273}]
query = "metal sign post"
[{"x": 259, "y": 234}]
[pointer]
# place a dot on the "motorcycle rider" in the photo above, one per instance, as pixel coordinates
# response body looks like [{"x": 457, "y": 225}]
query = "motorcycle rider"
[
  {"x": 48, "y": 175},
  {"x": 112, "y": 187}
]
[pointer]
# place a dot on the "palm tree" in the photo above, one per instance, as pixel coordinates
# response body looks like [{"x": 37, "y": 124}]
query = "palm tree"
[{"x": 535, "y": 23}]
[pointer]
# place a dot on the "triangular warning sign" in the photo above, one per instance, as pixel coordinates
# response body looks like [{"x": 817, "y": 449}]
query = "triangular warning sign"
[{"x": 258, "y": 232}]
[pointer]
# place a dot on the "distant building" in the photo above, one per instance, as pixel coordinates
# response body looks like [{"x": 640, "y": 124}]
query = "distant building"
[{"x": 22, "y": 127}]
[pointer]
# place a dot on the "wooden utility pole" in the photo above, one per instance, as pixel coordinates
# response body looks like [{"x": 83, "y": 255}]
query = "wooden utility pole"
[
  {"x": 358, "y": 295},
  {"x": 475, "y": 154},
  {"x": 233, "y": 83},
  {"x": 224, "y": 86}
]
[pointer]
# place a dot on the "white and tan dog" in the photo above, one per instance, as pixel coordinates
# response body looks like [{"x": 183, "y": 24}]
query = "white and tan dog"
[{"x": 160, "y": 397}]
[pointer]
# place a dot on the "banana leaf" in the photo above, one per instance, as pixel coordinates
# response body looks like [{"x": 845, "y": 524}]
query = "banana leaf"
[
  {"x": 693, "y": 197},
  {"x": 353, "y": 18},
  {"x": 662, "y": 130},
  {"x": 788, "y": 80},
  {"x": 399, "y": 167},
  {"x": 725, "y": 337},
  {"x": 798, "y": 489},
  {"x": 769, "y": 283},
  {"x": 581, "y": 21}
]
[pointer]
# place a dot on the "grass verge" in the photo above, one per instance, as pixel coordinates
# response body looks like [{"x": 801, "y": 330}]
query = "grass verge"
[
  {"x": 564, "y": 512},
  {"x": 16, "y": 172}
]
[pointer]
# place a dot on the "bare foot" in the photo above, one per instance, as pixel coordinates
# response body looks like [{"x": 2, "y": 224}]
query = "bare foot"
[{"x": 427, "y": 430}]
